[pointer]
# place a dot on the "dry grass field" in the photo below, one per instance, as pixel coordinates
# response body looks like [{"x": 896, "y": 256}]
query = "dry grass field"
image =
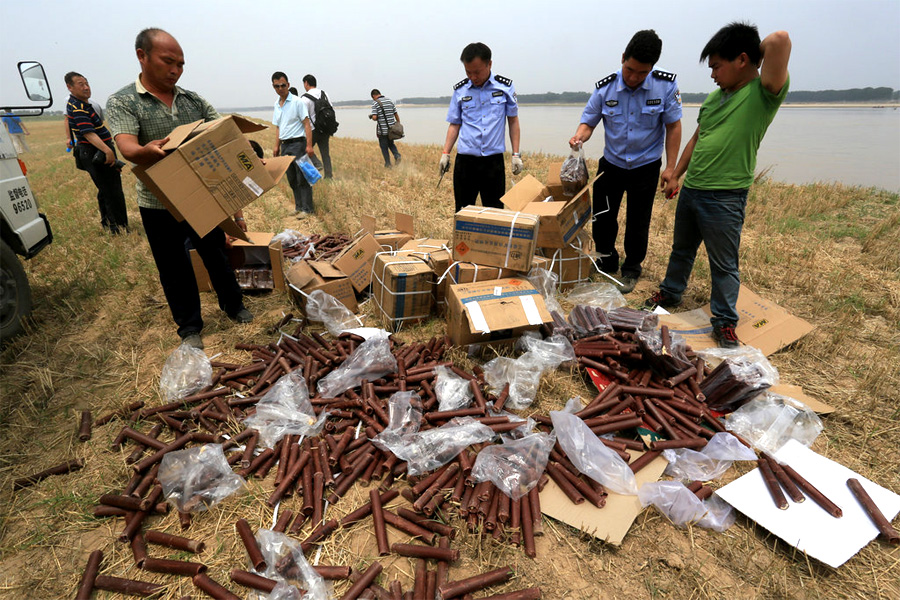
[{"x": 101, "y": 332}]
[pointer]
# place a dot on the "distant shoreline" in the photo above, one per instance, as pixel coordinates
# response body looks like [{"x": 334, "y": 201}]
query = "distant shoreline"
[{"x": 785, "y": 105}]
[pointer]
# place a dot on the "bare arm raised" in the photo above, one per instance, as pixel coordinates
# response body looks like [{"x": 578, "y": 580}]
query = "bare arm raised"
[{"x": 776, "y": 51}]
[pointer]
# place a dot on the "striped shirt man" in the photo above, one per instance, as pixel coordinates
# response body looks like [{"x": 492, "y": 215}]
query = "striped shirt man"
[{"x": 384, "y": 110}]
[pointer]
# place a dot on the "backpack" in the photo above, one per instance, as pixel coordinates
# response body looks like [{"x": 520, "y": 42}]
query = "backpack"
[{"x": 326, "y": 123}]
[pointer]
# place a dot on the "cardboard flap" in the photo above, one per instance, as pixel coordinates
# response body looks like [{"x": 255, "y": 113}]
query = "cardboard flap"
[
  {"x": 180, "y": 134},
  {"x": 256, "y": 238},
  {"x": 367, "y": 223},
  {"x": 526, "y": 191},
  {"x": 141, "y": 173},
  {"x": 232, "y": 229},
  {"x": 405, "y": 223},
  {"x": 301, "y": 274},
  {"x": 325, "y": 269},
  {"x": 246, "y": 125},
  {"x": 278, "y": 166}
]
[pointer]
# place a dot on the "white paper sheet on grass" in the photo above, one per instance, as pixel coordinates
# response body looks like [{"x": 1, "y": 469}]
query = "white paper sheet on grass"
[{"x": 806, "y": 526}]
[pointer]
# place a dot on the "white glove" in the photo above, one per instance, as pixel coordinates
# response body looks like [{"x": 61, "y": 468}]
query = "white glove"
[
  {"x": 444, "y": 164},
  {"x": 517, "y": 165}
]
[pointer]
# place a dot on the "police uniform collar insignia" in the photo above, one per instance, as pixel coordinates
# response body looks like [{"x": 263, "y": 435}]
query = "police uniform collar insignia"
[
  {"x": 503, "y": 80},
  {"x": 654, "y": 102},
  {"x": 664, "y": 75},
  {"x": 460, "y": 84},
  {"x": 611, "y": 103},
  {"x": 605, "y": 80}
]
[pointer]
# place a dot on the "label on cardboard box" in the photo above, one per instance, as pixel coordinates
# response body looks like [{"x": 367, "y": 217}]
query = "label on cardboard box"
[{"x": 495, "y": 237}]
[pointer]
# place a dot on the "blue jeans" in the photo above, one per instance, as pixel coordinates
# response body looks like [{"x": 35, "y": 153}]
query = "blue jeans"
[
  {"x": 714, "y": 217},
  {"x": 303, "y": 196}
]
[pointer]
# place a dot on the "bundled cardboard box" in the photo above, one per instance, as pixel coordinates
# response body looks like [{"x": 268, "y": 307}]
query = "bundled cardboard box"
[
  {"x": 211, "y": 172},
  {"x": 495, "y": 237},
  {"x": 434, "y": 252},
  {"x": 391, "y": 239},
  {"x": 561, "y": 217},
  {"x": 572, "y": 264},
  {"x": 306, "y": 276},
  {"x": 494, "y": 311},
  {"x": 355, "y": 261},
  {"x": 465, "y": 272},
  {"x": 401, "y": 288},
  {"x": 257, "y": 263}
]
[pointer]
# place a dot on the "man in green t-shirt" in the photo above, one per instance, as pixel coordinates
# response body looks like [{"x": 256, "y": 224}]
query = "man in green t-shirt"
[{"x": 720, "y": 160}]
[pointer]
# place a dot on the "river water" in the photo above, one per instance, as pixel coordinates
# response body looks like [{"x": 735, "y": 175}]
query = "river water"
[{"x": 851, "y": 145}]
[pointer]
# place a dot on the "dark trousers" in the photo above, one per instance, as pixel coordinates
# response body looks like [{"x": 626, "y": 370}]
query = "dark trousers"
[
  {"x": 303, "y": 196},
  {"x": 475, "y": 175},
  {"x": 387, "y": 145},
  {"x": 640, "y": 185},
  {"x": 322, "y": 142},
  {"x": 110, "y": 198},
  {"x": 167, "y": 243}
]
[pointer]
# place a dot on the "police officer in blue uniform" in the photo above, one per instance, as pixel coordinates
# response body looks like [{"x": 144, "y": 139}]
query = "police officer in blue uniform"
[
  {"x": 641, "y": 113},
  {"x": 481, "y": 106}
]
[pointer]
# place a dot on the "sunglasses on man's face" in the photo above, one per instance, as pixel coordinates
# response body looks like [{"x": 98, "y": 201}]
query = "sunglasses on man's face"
[{"x": 278, "y": 86}]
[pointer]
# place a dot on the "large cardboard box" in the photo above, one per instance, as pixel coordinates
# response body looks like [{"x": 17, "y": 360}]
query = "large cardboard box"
[
  {"x": 465, "y": 272},
  {"x": 495, "y": 311},
  {"x": 761, "y": 324},
  {"x": 495, "y": 237},
  {"x": 257, "y": 263},
  {"x": 561, "y": 217},
  {"x": 211, "y": 172},
  {"x": 402, "y": 288},
  {"x": 572, "y": 264},
  {"x": 306, "y": 276},
  {"x": 392, "y": 239},
  {"x": 355, "y": 261}
]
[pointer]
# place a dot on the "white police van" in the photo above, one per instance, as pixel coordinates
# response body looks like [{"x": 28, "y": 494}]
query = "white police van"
[{"x": 24, "y": 231}]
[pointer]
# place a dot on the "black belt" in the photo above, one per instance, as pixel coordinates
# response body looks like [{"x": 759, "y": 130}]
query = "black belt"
[{"x": 292, "y": 140}]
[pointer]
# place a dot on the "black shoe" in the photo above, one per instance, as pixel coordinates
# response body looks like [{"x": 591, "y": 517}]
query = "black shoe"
[
  {"x": 725, "y": 336},
  {"x": 660, "y": 298},
  {"x": 242, "y": 316},
  {"x": 193, "y": 340},
  {"x": 628, "y": 283}
]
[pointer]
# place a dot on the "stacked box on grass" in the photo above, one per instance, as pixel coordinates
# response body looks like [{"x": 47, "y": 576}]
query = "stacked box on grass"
[
  {"x": 437, "y": 254},
  {"x": 257, "y": 263},
  {"x": 492, "y": 312},
  {"x": 495, "y": 237},
  {"x": 572, "y": 264},
  {"x": 355, "y": 260},
  {"x": 391, "y": 239},
  {"x": 306, "y": 276},
  {"x": 402, "y": 285},
  {"x": 561, "y": 217},
  {"x": 211, "y": 172}
]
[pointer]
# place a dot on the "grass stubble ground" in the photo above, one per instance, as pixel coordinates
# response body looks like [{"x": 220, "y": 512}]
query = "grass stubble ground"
[{"x": 102, "y": 331}]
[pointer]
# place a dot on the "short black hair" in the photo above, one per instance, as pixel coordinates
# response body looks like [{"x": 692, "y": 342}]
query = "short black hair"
[
  {"x": 144, "y": 40},
  {"x": 374, "y": 92},
  {"x": 733, "y": 40},
  {"x": 294, "y": 91},
  {"x": 475, "y": 50},
  {"x": 279, "y": 75},
  {"x": 310, "y": 80},
  {"x": 645, "y": 46},
  {"x": 71, "y": 75}
]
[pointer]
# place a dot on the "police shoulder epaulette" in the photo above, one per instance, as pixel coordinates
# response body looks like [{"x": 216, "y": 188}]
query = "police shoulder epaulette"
[
  {"x": 605, "y": 80},
  {"x": 460, "y": 84},
  {"x": 503, "y": 80},
  {"x": 664, "y": 75}
]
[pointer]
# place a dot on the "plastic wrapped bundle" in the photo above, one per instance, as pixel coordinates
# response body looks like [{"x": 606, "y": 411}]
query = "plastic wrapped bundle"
[
  {"x": 630, "y": 319},
  {"x": 733, "y": 383}
]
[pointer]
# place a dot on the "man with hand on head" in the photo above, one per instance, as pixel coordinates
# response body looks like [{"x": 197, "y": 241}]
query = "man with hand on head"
[
  {"x": 141, "y": 116},
  {"x": 293, "y": 137},
  {"x": 641, "y": 112},
  {"x": 480, "y": 108},
  {"x": 720, "y": 160}
]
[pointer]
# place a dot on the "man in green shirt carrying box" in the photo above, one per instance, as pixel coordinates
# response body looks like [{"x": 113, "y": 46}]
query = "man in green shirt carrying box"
[{"x": 720, "y": 160}]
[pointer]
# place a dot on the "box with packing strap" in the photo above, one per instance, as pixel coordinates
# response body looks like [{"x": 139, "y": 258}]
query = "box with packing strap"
[
  {"x": 401, "y": 288},
  {"x": 496, "y": 311},
  {"x": 465, "y": 272},
  {"x": 572, "y": 264},
  {"x": 495, "y": 237},
  {"x": 391, "y": 239},
  {"x": 257, "y": 263},
  {"x": 561, "y": 217},
  {"x": 306, "y": 276}
]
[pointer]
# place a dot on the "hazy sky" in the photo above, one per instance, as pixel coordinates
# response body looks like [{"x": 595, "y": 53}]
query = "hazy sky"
[{"x": 411, "y": 48}]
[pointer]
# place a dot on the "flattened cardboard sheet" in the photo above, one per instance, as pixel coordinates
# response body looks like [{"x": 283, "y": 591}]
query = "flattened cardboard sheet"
[{"x": 609, "y": 523}]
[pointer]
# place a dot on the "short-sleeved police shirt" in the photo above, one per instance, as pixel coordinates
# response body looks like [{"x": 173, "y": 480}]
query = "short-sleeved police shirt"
[{"x": 481, "y": 113}]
